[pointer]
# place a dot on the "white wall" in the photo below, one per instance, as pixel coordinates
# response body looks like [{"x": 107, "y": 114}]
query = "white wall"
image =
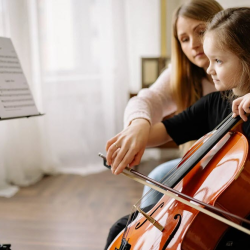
[
  {"x": 143, "y": 32},
  {"x": 233, "y": 3},
  {"x": 143, "y": 36},
  {"x": 171, "y": 6}
]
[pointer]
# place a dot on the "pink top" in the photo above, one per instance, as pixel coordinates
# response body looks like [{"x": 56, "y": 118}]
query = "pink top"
[{"x": 154, "y": 103}]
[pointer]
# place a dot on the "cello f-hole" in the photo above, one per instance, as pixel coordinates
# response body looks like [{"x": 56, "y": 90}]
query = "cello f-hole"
[
  {"x": 174, "y": 231},
  {"x": 140, "y": 224}
]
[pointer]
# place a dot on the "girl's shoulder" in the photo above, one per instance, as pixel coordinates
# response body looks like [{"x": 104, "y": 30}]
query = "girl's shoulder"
[{"x": 215, "y": 97}]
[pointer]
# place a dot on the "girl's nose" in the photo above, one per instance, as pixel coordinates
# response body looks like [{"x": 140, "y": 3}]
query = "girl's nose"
[{"x": 210, "y": 69}]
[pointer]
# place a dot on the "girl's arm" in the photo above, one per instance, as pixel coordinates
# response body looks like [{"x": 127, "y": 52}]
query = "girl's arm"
[{"x": 158, "y": 135}]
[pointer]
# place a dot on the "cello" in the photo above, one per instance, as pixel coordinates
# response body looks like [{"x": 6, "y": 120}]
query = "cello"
[{"x": 215, "y": 171}]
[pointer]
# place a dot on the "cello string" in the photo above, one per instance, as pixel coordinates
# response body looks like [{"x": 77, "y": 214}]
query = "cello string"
[
  {"x": 132, "y": 217},
  {"x": 188, "y": 203},
  {"x": 196, "y": 146},
  {"x": 186, "y": 166},
  {"x": 186, "y": 157},
  {"x": 128, "y": 229},
  {"x": 169, "y": 176},
  {"x": 213, "y": 208},
  {"x": 179, "y": 165},
  {"x": 190, "y": 152}
]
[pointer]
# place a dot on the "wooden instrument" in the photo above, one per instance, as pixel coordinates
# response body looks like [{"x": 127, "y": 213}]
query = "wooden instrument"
[{"x": 211, "y": 194}]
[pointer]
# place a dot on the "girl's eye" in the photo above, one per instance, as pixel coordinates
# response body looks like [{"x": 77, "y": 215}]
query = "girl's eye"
[{"x": 218, "y": 61}]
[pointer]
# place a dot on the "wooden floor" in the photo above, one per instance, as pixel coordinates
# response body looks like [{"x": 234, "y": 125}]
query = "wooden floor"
[{"x": 68, "y": 211}]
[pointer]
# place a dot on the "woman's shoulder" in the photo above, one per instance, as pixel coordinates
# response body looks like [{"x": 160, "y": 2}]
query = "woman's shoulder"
[
  {"x": 166, "y": 73},
  {"x": 162, "y": 83}
]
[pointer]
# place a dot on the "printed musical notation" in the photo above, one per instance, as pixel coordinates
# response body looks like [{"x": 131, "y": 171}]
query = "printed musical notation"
[{"x": 16, "y": 99}]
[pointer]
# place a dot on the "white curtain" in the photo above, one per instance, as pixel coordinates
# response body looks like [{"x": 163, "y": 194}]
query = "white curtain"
[
  {"x": 73, "y": 54},
  {"x": 25, "y": 154},
  {"x": 84, "y": 65}
]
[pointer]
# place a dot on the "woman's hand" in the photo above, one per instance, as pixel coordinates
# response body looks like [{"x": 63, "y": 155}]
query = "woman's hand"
[
  {"x": 127, "y": 147},
  {"x": 241, "y": 107}
]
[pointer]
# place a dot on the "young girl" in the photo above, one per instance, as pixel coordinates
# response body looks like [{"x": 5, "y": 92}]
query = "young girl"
[{"x": 228, "y": 50}]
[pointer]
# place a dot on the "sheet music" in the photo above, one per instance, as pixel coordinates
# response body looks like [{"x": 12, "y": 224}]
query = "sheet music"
[{"x": 15, "y": 96}]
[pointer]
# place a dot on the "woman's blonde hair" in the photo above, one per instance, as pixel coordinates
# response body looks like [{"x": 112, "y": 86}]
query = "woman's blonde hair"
[
  {"x": 232, "y": 29},
  {"x": 186, "y": 77}
]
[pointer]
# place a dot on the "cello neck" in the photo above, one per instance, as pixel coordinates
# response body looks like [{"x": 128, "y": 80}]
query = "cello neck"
[{"x": 218, "y": 133}]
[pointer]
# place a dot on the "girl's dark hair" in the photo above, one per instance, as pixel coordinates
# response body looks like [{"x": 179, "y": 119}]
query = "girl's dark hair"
[{"x": 232, "y": 27}]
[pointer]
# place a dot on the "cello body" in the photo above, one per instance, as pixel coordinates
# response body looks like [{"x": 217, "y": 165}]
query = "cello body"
[{"x": 221, "y": 179}]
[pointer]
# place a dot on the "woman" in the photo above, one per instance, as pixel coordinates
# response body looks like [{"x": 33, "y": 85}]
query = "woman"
[
  {"x": 176, "y": 89},
  {"x": 183, "y": 83}
]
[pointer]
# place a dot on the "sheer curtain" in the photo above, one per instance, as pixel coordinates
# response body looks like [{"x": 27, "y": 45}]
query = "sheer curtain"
[
  {"x": 84, "y": 69},
  {"x": 25, "y": 153},
  {"x": 73, "y": 54}
]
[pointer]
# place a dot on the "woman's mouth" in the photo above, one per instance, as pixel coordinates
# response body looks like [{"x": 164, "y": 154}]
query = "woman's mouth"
[{"x": 199, "y": 54}]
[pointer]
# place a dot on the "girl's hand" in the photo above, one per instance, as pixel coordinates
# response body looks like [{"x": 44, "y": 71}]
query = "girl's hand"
[
  {"x": 127, "y": 147},
  {"x": 241, "y": 107}
]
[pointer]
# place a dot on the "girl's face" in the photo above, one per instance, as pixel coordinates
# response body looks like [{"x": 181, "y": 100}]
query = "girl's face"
[
  {"x": 224, "y": 66},
  {"x": 190, "y": 32}
]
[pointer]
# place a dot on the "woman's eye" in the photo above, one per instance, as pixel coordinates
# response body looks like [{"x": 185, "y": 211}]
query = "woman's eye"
[
  {"x": 201, "y": 32},
  {"x": 218, "y": 61},
  {"x": 185, "y": 39}
]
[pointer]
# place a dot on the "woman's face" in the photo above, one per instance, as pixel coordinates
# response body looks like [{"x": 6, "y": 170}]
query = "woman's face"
[{"x": 190, "y": 32}]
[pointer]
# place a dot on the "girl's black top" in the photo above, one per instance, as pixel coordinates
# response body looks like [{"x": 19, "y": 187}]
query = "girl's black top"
[{"x": 201, "y": 118}]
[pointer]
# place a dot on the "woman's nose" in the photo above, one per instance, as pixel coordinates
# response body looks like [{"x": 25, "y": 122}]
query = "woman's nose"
[{"x": 195, "y": 42}]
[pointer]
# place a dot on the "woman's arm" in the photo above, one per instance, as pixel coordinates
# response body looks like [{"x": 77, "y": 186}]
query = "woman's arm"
[
  {"x": 191, "y": 124},
  {"x": 141, "y": 112},
  {"x": 127, "y": 147},
  {"x": 120, "y": 154},
  {"x": 151, "y": 103}
]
